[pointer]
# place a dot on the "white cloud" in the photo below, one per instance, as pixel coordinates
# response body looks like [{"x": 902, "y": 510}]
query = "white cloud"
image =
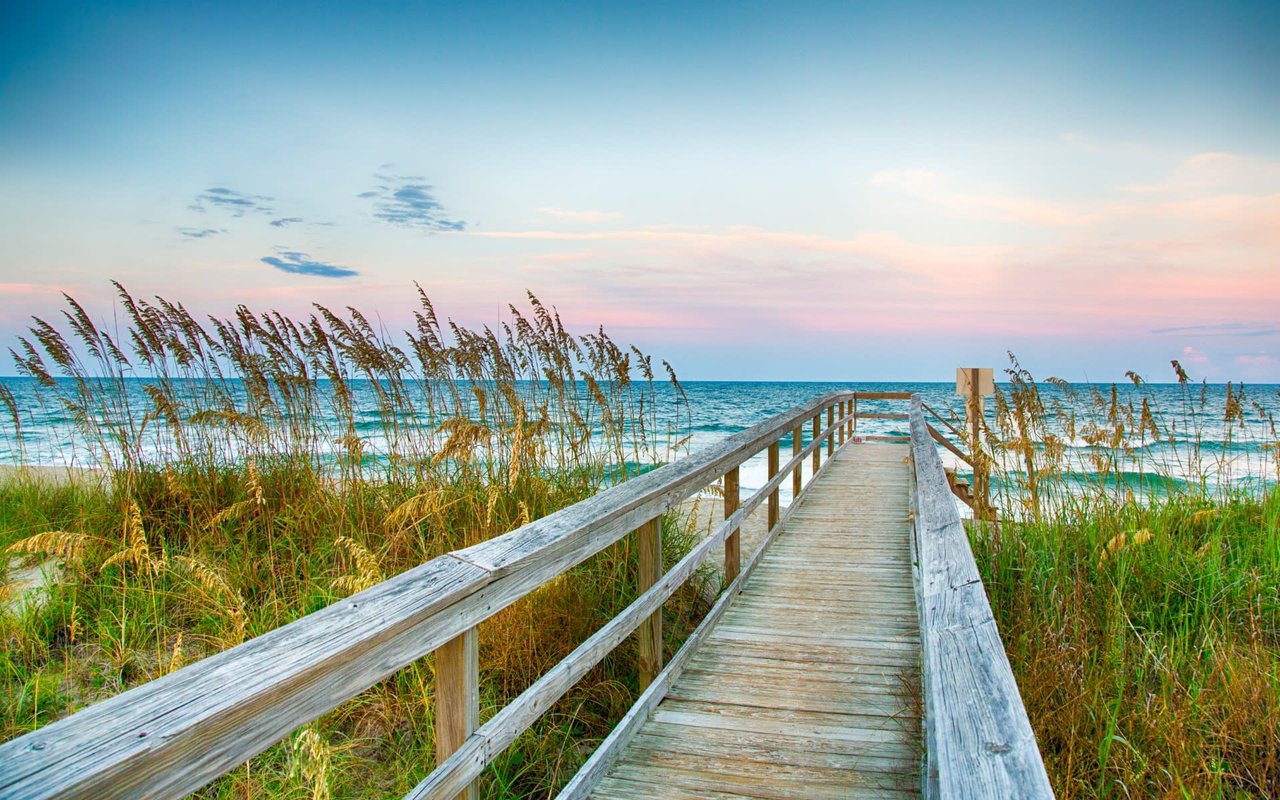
[{"x": 567, "y": 215}]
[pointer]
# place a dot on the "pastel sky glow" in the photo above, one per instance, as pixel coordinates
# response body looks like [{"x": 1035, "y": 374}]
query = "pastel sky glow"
[{"x": 826, "y": 191}]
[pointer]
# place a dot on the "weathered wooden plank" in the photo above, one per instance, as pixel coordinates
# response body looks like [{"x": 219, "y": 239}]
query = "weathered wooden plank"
[
  {"x": 457, "y": 708},
  {"x": 859, "y": 652},
  {"x": 649, "y": 552},
  {"x": 772, "y": 518},
  {"x": 568, "y": 536},
  {"x": 606, "y": 754},
  {"x": 836, "y": 728},
  {"x": 907, "y": 642},
  {"x": 831, "y": 424},
  {"x": 612, "y": 788},
  {"x": 882, "y": 395},
  {"x": 712, "y": 744},
  {"x": 169, "y": 737},
  {"x": 817, "y": 452},
  {"x": 795, "y": 663},
  {"x": 797, "y": 437},
  {"x": 752, "y": 778},
  {"x": 942, "y": 440},
  {"x": 788, "y": 662},
  {"x": 496, "y": 734},
  {"x": 981, "y": 743},
  {"x": 732, "y": 544}
]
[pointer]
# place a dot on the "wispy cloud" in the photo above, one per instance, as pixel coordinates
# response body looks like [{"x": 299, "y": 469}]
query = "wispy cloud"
[
  {"x": 567, "y": 215},
  {"x": 235, "y": 203},
  {"x": 931, "y": 187},
  {"x": 1214, "y": 173},
  {"x": 200, "y": 233},
  {"x": 1223, "y": 329},
  {"x": 285, "y": 221},
  {"x": 409, "y": 201},
  {"x": 296, "y": 263}
]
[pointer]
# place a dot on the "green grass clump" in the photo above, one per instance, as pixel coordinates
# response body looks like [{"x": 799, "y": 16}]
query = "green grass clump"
[
  {"x": 264, "y": 467},
  {"x": 1143, "y": 627}
]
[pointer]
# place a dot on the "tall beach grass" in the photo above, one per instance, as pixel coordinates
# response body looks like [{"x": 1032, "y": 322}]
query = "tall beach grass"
[
  {"x": 1140, "y": 608},
  {"x": 256, "y": 468}
]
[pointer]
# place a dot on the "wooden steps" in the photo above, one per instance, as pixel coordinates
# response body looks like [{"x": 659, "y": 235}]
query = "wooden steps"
[{"x": 808, "y": 687}]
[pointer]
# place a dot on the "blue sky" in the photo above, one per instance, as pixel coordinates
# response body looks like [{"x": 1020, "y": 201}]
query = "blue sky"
[{"x": 751, "y": 190}]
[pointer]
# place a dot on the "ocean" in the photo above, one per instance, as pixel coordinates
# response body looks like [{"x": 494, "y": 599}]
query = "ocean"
[{"x": 1240, "y": 452}]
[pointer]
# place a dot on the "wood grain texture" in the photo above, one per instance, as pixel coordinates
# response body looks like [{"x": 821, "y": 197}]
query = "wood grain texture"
[
  {"x": 800, "y": 689},
  {"x": 797, "y": 479},
  {"x": 732, "y": 543},
  {"x": 774, "y": 506},
  {"x": 457, "y": 708},
  {"x": 649, "y": 570},
  {"x": 942, "y": 440},
  {"x": 168, "y": 737},
  {"x": 817, "y": 451},
  {"x": 980, "y": 741},
  {"x": 171, "y": 736}
]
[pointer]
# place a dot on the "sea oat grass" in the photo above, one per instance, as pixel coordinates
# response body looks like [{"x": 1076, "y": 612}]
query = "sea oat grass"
[
  {"x": 257, "y": 468},
  {"x": 1143, "y": 627}
]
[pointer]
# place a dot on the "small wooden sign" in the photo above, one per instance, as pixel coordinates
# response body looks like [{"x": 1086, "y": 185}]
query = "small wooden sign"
[{"x": 986, "y": 381}]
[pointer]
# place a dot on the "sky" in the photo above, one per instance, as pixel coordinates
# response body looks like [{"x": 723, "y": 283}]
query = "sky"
[{"x": 753, "y": 191}]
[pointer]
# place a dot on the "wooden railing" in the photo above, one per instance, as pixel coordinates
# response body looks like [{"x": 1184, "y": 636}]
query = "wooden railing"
[
  {"x": 173, "y": 735},
  {"x": 978, "y": 740}
]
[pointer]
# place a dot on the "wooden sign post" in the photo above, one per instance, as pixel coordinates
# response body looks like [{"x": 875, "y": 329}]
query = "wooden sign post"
[{"x": 973, "y": 384}]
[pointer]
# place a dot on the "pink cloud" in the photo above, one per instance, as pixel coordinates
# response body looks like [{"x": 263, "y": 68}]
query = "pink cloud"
[{"x": 933, "y": 188}]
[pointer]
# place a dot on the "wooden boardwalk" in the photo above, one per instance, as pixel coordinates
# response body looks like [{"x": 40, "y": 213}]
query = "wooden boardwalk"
[
  {"x": 808, "y": 687},
  {"x": 808, "y": 677}
]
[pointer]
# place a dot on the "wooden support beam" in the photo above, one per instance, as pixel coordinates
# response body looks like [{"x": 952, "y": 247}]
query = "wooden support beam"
[
  {"x": 842, "y": 412},
  {"x": 817, "y": 451},
  {"x": 649, "y": 547},
  {"x": 457, "y": 697},
  {"x": 732, "y": 542},
  {"x": 797, "y": 480},
  {"x": 773, "y": 496},
  {"x": 831, "y": 436}
]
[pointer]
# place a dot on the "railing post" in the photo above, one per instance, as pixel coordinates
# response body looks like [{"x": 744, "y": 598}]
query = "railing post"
[
  {"x": 732, "y": 544},
  {"x": 797, "y": 480},
  {"x": 817, "y": 448},
  {"x": 457, "y": 697},
  {"x": 972, "y": 383},
  {"x": 649, "y": 541},
  {"x": 773, "y": 496},
  {"x": 831, "y": 435},
  {"x": 842, "y": 422},
  {"x": 854, "y": 422}
]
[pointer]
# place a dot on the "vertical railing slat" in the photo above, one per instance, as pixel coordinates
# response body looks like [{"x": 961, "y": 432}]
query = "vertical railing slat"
[
  {"x": 817, "y": 451},
  {"x": 773, "y": 496},
  {"x": 457, "y": 696},
  {"x": 649, "y": 547},
  {"x": 732, "y": 542},
  {"x": 797, "y": 480}
]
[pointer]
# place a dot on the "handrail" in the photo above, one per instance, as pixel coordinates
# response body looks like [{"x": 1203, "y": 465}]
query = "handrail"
[
  {"x": 173, "y": 735},
  {"x": 492, "y": 737},
  {"x": 942, "y": 440},
  {"x": 978, "y": 740},
  {"x": 959, "y": 434}
]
